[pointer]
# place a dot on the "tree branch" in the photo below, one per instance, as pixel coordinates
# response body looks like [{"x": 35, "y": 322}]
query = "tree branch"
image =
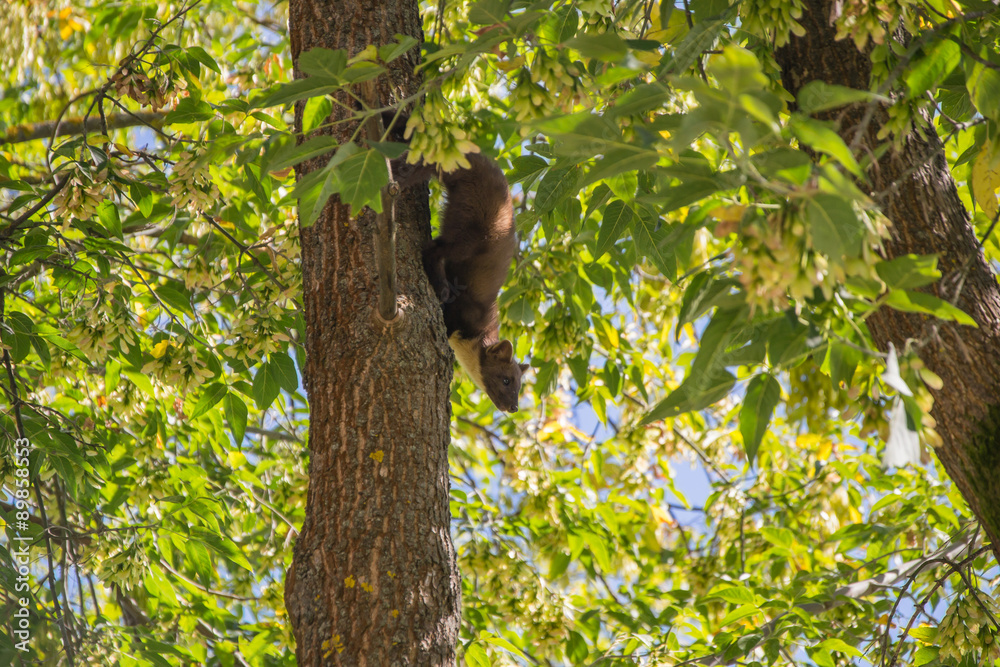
[{"x": 21, "y": 133}]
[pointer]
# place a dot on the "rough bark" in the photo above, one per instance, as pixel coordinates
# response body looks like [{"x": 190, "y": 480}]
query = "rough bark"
[
  {"x": 916, "y": 191},
  {"x": 373, "y": 579}
]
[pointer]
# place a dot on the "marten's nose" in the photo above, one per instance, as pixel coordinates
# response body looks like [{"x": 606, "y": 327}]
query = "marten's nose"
[{"x": 514, "y": 409}]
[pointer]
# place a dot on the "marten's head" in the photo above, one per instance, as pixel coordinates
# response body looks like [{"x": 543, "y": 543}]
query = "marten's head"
[{"x": 501, "y": 375}]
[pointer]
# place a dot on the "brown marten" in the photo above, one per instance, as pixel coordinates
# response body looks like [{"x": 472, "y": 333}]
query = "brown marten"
[{"x": 467, "y": 264}]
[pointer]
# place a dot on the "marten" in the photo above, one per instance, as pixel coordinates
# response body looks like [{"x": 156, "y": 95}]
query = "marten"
[{"x": 467, "y": 264}]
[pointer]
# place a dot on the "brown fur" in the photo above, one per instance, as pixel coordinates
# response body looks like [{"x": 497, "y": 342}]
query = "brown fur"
[{"x": 467, "y": 264}]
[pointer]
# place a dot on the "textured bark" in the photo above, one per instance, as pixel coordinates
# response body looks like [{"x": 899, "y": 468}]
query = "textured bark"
[
  {"x": 916, "y": 192},
  {"x": 373, "y": 579}
]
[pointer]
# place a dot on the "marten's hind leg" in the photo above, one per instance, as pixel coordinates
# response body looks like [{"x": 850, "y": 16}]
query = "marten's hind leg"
[{"x": 434, "y": 268}]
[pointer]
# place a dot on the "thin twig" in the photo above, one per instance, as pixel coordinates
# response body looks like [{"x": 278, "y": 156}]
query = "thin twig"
[
  {"x": 244, "y": 250},
  {"x": 385, "y": 220}
]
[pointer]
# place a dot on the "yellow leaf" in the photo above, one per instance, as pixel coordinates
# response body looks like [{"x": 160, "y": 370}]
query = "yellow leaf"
[
  {"x": 160, "y": 349},
  {"x": 825, "y": 449},
  {"x": 648, "y": 57},
  {"x": 728, "y": 213},
  {"x": 662, "y": 515},
  {"x": 986, "y": 178},
  {"x": 509, "y": 65}
]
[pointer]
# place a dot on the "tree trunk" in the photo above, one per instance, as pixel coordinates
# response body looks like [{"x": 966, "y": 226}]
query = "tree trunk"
[
  {"x": 373, "y": 579},
  {"x": 915, "y": 190}
]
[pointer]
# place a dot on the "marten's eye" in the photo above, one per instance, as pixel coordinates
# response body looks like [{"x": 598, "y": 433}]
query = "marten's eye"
[{"x": 506, "y": 380}]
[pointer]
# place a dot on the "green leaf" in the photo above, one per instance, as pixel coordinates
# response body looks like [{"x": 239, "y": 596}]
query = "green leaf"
[
  {"x": 739, "y": 614},
  {"x": 521, "y": 311},
  {"x": 763, "y": 395},
  {"x": 294, "y": 91},
  {"x": 726, "y": 324},
  {"x": 545, "y": 377},
  {"x": 221, "y": 545},
  {"x": 702, "y": 294},
  {"x": 389, "y": 149},
  {"x": 933, "y": 67},
  {"x": 475, "y": 656},
  {"x": 818, "y": 96},
  {"x": 502, "y": 643},
  {"x": 284, "y": 371},
  {"x": 176, "y": 297},
  {"x": 199, "y": 559},
  {"x": 917, "y": 302},
  {"x": 142, "y": 197},
  {"x": 598, "y": 198},
  {"x": 576, "y": 648},
  {"x": 599, "y": 548},
  {"x": 649, "y": 243},
  {"x": 925, "y": 655},
  {"x": 844, "y": 361},
  {"x": 606, "y": 46},
  {"x": 22, "y": 330},
  {"x": 909, "y": 271},
  {"x": 489, "y": 12},
  {"x": 29, "y": 254},
  {"x": 784, "y": 163},
  {"x": 867, "y": 288},
  {"x": 819, "y": 137},
  {"x": 555, "y": 186},
  {"x": 362, "y": 177},
  {"x": 389, "y": 52},
  {"x": 983, "y": 84},
  {"x": 190, "y": 110},
  {"x": 142, "y": 382},
  {"x": 700, "y": 39},
  {"x": 695, "y": 393},
  {"x": 112, "y": 375},
  {"x": 236, "y": 416},
  {"x": 821, "y": 657},
  {"x": 739, "y": 595},
  {"x": 362, "y": 71},
  {"x": 526, "y": 169},
  {"x": 210, "y": 395},
  {"x": 836, "y": 230},
  {"x": 778, "y": 536},
  {"x": 787, "y": 341},
  {"x": 265, "y": 386},
  {"x": 202, "y": 56},
  {"x": 666, "y": 9},
  {"x": 315, "y": 114},
  {"x": 561, "y": 25},
  {"x": 617, "y": 218},
  {"x": 324, "y": 63},
  {"x": 642, "y": 98},
  {"x": 737, "y": 70},
  {"x": 616, "y": 162},
  {"x": 107, "y": 213},
  {"x": 839, "y": 645}
]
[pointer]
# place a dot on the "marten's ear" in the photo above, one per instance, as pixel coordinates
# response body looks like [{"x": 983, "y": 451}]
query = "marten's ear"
[
  {"x": 524, "y": 367},
  {"x": 502, "y": 350}
]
